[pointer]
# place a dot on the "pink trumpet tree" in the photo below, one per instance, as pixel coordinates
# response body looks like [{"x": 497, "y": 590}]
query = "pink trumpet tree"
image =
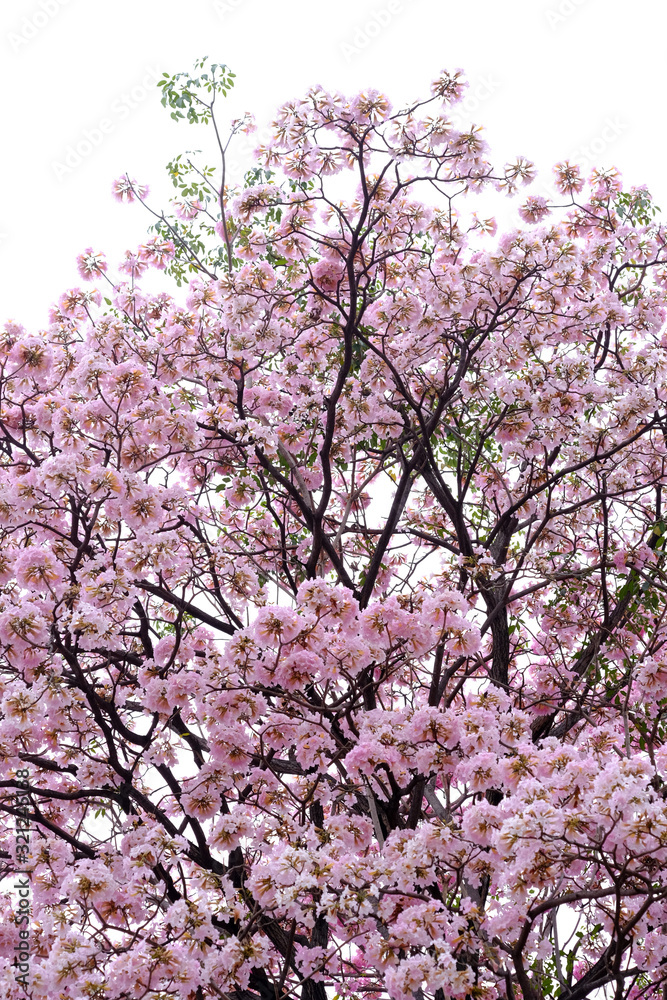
[{"x": 333, "y": 633}]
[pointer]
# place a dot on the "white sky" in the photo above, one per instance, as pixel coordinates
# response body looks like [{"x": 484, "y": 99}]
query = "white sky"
[{"x": 549, "y": 79}]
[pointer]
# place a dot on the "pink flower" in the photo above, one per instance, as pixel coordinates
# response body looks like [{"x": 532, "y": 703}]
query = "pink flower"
[
  {"x": 277, "y": 625},
  {"x": 568, "y": 178},
  {"x": 188, "y": 210},
  {"x": 534, "y": 209},
  {"x": 464, "y": 643},
  {"x": 124, "y": 189},
  {"x": 90, "y": 264},
  {"x": 133, "y": 265},
  {"x": 157, "y": 252},
  {"x": 449, "y": 86},
  {"x": 37, "y": 569},
  {"x": 202, "y": 803}
]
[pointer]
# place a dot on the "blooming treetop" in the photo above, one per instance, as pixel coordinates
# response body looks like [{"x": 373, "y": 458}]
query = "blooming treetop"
[{"x": 332, "y": 621}]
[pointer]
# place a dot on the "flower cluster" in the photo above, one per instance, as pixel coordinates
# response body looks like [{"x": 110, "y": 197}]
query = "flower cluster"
[{"x": 332, "y": 589}]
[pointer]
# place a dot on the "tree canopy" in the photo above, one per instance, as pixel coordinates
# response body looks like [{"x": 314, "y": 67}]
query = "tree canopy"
[{"x": 333, "y": 629}]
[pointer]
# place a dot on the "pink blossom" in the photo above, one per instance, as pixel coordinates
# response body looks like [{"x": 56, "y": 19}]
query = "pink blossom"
[
  {"x": 157, "y": 252},
  {"x": 332, "y": 619},
  {"x": 90, "y": 264},
  {"x": 125, "y": 189}
]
